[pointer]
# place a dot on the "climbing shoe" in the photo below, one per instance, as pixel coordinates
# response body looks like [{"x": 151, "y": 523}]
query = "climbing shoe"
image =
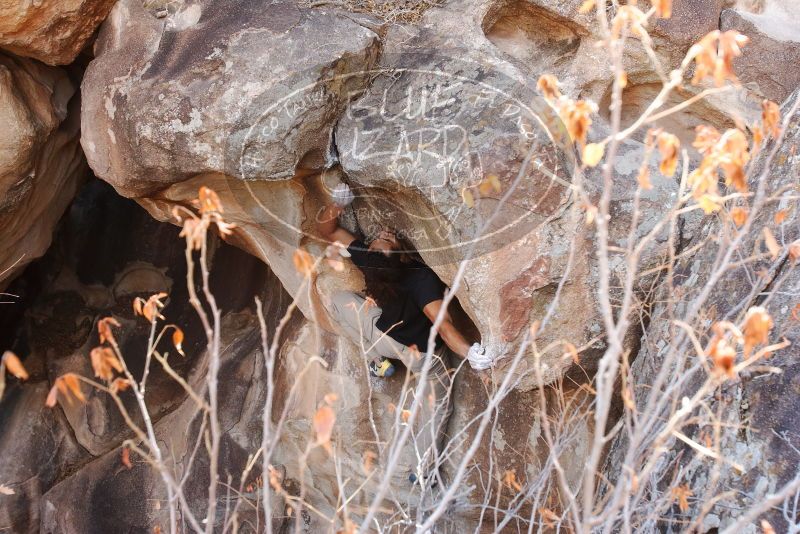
[{"x": 383, "y": 369}]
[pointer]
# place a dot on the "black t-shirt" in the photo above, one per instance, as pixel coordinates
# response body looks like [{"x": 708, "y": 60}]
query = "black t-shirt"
[{"x": 402, "y": 317}]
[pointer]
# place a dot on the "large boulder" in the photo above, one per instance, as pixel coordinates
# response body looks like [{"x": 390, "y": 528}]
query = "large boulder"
[
  {"x": 41, "y": 164},
  {"x": 53, "y": 32},
  {"x": 766, "y": 65},
  {"x": 171, "y": 105},
  {"x": 446, "y": 113},
  {"x": 195, "y": 92},
  {"x": 200, "y": 97}
]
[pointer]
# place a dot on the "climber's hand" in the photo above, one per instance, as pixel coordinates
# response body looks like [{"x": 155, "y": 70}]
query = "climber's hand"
[
  {"x": 478, "y": 358},
  {"x": 342, "y": 195}
]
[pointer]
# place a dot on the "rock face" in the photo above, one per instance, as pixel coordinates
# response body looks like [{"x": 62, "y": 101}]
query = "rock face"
[
  {"x": 41, "y": 163},
  {"x": 774, "y": 47},
  {"x": 757, "y": 410},
  {"x": 193, "y": 72},
  {"x": 440, "y": 132},
  {"x": 171, "y": 105},
  {"x": 52, "y": 32},
  {"x": 72, "y": 479}
]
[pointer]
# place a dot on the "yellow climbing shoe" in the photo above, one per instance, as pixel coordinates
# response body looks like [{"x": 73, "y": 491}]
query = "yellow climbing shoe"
[{"x": 383, "y": 369}]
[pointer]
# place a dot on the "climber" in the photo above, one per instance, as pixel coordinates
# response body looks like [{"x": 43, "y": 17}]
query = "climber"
[{"x": 406, "y": 298}]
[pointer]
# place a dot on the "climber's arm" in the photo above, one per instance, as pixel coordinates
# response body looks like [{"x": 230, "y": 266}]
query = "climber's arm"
[
  {"x": 328, "y": 226},
  {"x": 450, "y": 334}
]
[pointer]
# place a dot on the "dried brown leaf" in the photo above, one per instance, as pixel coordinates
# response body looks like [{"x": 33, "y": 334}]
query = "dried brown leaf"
[
  {"x": 177, "y": 340},
  {"x": 587, "y": 6},
  {"x": 14, "y": 365},
  {"x": 52, "y": 397},
  {"x": 548, "y": 85},
  {"x": 771, "y": 243},
  {"x": 771, "y": 118},
  {"x": 368, "y": 463},
  {"x": 593, "y": 154},
  {"x": 663, "y": 8},
  {"x": 510, "y": 480},
  {"x": 794, "y": 251},
  {"x": 303, "y": 262},
  {"x": 119, "y": 384},
  {"x": 104, "y": 329},
  {"x": 125, "y": 457},
  {"x": 756, "y": 327},
  {"x": 323, "y": 423},
  {"x": 681, "y": 494},
  {"x": 209, "y": 201},
  {"x": 577, "y": 117},
  {"x": 739, "y": 216},
  {"x": 73, "y": 384},
  {"x": 669, "y": 148},
  {"x": 104, "y": 363}
]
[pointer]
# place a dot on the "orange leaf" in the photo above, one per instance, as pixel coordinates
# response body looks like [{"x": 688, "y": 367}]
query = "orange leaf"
[
  {"x": 772, "y": 243},
  {"x": 723, "y": 354},
  {"x": 780, "y": 216},
  {"x": 194, "y": 230},
  {"x": 323, "y": 425},
  {"x": 72, "y": 383},
  {"x": 14, "y": 365},
  {"x": 548, "y": 84},
  {"x": 149, "y": 308},
  {"x": 714, "y": 55},
  {"x": 771, "y": 118},
  {"x": 577, "y": 117},
  {"x": 177, "y": 340},
  {"x": 682, "y": 494},
  {"x": 52, "y": 396},
  {"x": 739, "y": 216},
  {"x": 794, "y": 251},
  {"x": 138, "y": 302},
  {"x": 510, "y": 479},
  {"x": 303, "y": 262},
  {"x": 406, "y": 415},
  {"x": 104, "y": 363},
  {"x": 369, "y": 461},
  {"x": 669, "y": 148},
  {"x": 209, "y": 201},
  {"x": 549, "y": 517},
  {"x": 663, "y": 8},
  {"x": 125, "y": 457},
  {"x": 757, "y": 324},
  {"x": 593, "y": 154},
  {"x": 119, "y": 384},
  {"x": 104, "y": 329}
]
